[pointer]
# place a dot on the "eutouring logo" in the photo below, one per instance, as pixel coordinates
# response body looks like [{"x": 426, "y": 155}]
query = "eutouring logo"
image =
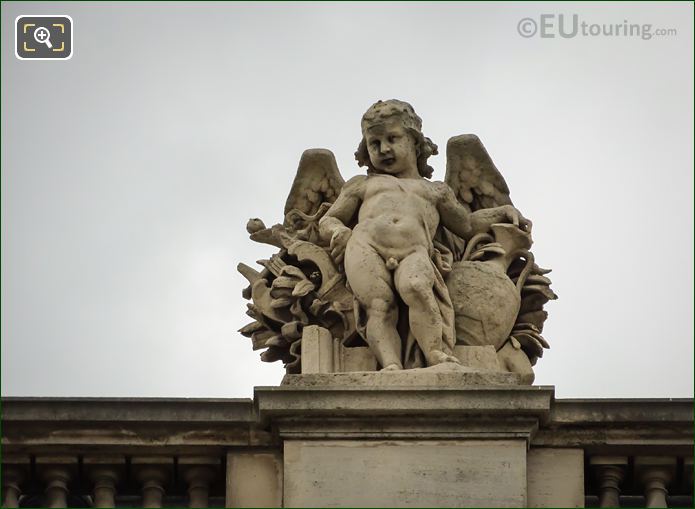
[{"x": 549, "y": 26}]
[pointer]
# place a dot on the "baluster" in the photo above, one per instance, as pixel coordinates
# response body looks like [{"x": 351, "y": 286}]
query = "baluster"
[
  {"x": 153, "y": 473},
  {"x": 105, "y": 473},
  {"x": 56, "y": 472},
  {"x": 56, "y": 479},
  {"x": 15, "y": 470},
  {"x": 610, "y": 472},
  {"x": 12, "y": 477},
  {"x": 655, "y": 473},
  {"x": 198, "y": 472}
]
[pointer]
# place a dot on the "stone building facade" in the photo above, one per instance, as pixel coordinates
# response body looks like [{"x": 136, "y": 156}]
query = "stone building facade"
[{"x": 333, "y": 446}]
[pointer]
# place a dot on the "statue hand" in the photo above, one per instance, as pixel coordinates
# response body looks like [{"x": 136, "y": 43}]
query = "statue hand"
[
  {"x": 482, "y": 219},
  {"x": 339, "y": 241},
  {"x": 515, "y": 217}
]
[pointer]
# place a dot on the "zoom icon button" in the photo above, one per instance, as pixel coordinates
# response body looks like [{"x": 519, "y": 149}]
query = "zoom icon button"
[{"x": 43, "y": 37}]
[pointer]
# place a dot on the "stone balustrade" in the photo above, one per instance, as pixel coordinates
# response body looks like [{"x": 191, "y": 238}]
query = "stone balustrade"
[
  {"x": 647, "y": 481},
  {"x": 108, "y": 481}
]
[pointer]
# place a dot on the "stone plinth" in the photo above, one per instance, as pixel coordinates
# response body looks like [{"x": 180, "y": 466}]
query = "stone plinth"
[
  {"x": 426, "y": 437},
  {"x": 405, "y": 473}
]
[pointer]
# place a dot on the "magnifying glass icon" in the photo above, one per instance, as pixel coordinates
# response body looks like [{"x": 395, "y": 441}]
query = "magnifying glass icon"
[{"x": 43, "y": 36}]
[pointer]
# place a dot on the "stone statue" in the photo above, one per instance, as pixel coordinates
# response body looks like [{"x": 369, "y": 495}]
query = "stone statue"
[{"x": 414, "y": 269}]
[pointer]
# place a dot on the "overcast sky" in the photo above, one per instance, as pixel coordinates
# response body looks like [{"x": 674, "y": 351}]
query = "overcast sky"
[{"x": 129, "y": 172}]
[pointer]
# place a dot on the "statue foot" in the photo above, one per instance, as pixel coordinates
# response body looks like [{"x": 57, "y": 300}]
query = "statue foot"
[
  {"x": 438, "y": 357},
  {"x": 392, "y": 367}
]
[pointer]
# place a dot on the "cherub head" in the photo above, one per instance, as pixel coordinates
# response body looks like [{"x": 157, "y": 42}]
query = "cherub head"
[{"x": 402, "y": 113}]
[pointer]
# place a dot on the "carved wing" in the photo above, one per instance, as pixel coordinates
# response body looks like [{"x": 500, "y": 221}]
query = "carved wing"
[
  {"x": 478, "y": 184},
  {"x": 318, "y": 181},
  {"x": 473, "y": 176}
]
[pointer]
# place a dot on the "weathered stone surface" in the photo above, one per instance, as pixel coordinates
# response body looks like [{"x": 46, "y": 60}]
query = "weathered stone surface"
[
  {"x": 441, "y": 375},
  {"x": 506, "y": 399},
  {"x": 131, "y": 424},
  {"x": 650, "y": 439},
  {"x": 479, "y": 357},
  {"x": 323, "y": 354},
  {"x": 555, "y": 477},
  {"x": 317, "y": 350},
  {"x": 405, "y": 474},
  {"x": 359, "y": 358},
  {"x": 397, "y": 412},
  {"x": 514, "y": 360},
  {"x": 254, "y": 479}
]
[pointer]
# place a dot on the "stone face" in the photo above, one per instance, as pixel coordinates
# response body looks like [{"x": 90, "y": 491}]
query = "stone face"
[
  {"x": 414, "y": 267},
  {"x": 555, "y": 477},
  {"x": 405, "y": 474},
  {"x": 254, "y": 479}
]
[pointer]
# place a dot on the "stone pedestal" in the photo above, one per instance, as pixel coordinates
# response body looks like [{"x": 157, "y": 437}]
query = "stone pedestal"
[
  {"x": 435, "y": 437},
  {"x": 321, "y": 353},
  {"x": 405, "y": 473}
]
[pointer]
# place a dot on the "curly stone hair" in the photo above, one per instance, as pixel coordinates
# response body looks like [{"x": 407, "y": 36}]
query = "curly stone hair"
[{"x": 380, "y": 112}]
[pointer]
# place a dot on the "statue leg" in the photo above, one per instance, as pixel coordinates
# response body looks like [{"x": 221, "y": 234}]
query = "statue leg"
[
  {"x": 370, "y": 281},
  {"x": 414, "y": 279}
]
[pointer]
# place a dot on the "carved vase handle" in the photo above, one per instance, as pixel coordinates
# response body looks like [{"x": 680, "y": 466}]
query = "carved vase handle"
[{"x": 525, "y": 253}]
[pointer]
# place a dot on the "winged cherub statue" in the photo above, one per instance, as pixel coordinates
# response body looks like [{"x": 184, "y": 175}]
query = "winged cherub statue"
[
  {"x": 389, "y": 249},
  {"x": 411, "y": 266}
]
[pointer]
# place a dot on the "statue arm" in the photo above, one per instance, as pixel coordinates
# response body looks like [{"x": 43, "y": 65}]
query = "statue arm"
[
  {"x": 454, "y": 216},
  {"x": 344, "y": 208},
  {"x": 333, "y": 225},
  {"x": 457, "y": 219}
]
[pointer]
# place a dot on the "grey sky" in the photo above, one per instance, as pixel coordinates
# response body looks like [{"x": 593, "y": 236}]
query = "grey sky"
[{"x": 129, "y": 171}]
